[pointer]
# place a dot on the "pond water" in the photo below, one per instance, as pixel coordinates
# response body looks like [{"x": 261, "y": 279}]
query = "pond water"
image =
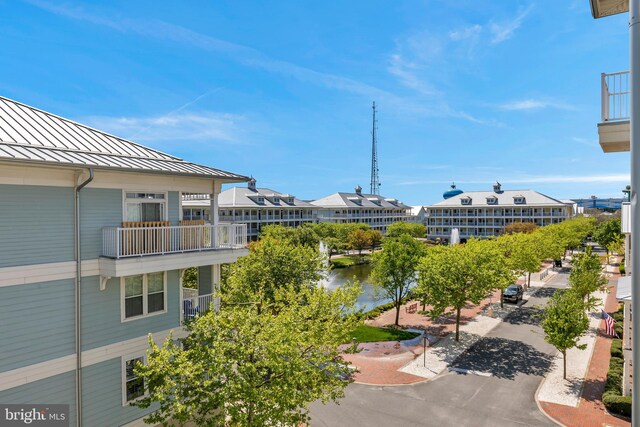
[{"x": 361, "y": 273}]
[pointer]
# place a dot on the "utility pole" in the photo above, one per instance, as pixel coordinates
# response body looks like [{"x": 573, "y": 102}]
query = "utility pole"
[{"x": 375, "y": 179}]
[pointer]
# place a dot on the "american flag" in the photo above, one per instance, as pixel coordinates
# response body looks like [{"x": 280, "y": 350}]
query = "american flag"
[{"x": 609, "y": 321}]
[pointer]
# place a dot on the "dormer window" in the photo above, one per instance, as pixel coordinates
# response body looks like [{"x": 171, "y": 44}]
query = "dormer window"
[
  {"x": 260, "y": 199},
  {"x": 290, "y": 200},
  {"x": 276, "y": 200},
  {"x": 492, "y": 200},
  {"x": 465, "y": 200},
  {"x": 519, "y": 200}
]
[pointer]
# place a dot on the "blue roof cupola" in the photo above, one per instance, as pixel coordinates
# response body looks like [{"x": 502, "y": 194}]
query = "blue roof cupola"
[{"x": 453, "y": 192}]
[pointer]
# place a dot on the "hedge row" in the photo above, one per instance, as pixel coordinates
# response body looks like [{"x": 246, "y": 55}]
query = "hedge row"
[{"x": 612, "y": 395}]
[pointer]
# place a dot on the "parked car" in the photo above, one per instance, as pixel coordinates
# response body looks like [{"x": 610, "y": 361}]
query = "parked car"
[{"x": 513, "y": 293}]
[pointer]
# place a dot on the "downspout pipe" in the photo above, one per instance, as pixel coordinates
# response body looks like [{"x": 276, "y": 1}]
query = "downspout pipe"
[{"x": 78, "y": 295}]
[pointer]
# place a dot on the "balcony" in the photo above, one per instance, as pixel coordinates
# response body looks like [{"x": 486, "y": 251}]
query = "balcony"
[
  {"x": 194, "y": 304},
  {"x": 613, "y": 129},
  {"x": 139, "y": 248}
]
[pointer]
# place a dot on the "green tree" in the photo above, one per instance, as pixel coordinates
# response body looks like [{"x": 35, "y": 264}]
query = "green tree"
[
  {"x": 245, "y": 365},
  {"x": 453, "y": 276},
  {"x": 527, "y": 255},
  {"x": 586, "y": 277},
  {"x": 394, "y": 268},
  {"x": 564, "y": 322},
  {"x": 190, "y": 278},
  {"x": 304, "y": 235},
  {"x": 607, "y": 232},
  {"x": 376, "y": 238},
  {"x": 520, "y": 227},
  {"x": 400, "y": 228},
  {"x": 270, "y": 265},
  {"x": 359, "y": 239}
]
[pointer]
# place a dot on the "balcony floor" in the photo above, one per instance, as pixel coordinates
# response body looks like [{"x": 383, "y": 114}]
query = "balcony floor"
[
  {"x": 118, "y": 267},
  {"x": 614, "y": 137}
]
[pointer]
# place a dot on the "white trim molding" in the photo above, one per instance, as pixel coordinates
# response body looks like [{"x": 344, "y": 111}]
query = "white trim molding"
[
  {"x": 39, "y": 273},
  {"x": 50, "y": 368}
]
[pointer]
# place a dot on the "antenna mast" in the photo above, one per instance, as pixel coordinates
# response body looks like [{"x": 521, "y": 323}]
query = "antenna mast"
[{"x": 375, "y": 179}]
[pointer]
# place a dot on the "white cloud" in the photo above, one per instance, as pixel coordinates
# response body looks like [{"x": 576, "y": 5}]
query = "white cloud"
[
  {"x": 471, "y": 32},
  {"x": 504, "y": 31},
  {"x": 533, "y": 104},
  {"x": 200, "y": 126}
]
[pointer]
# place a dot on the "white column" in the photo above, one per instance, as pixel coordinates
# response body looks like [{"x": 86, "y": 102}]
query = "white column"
[
  {"x": 215, "y": 286},
  {"x": 626, "y": 343},
  {"x": 214, "y": 214},
  {"x": 634, "y": 48},
  {"x": 627, "y": 255}
]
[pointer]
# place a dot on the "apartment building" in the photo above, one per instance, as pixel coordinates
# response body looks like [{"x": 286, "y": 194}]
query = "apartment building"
[
  {"x": 486, "y": 213},
  {"x": 253, "y": 206},
  {"x": 376, "y": 211},
  {"x": 92, "y": 252}
]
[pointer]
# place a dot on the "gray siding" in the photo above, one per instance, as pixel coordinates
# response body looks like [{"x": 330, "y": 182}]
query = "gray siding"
[
  {"x": 102, "y": 319},
  {"x": 102, "y": 393},
  {"x": 173, "y": 207},
  {"x": 36, "y": 323},
  {"x": 36, "y": 225},
  {"x": 99, "y": 207},
  {"x": 205, "y": 280},
  {"x": 59, "y": 389}
]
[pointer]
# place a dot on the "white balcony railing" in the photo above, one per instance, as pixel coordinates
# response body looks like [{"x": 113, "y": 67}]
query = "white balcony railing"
[
  {"x": 194, "y": 304},
  {"x": 119, "y": 242},
  {"x": 615, "y": 96}
]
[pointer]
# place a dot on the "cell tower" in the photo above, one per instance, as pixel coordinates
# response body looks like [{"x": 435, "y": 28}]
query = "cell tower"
[{"x": 375, "y": 179}]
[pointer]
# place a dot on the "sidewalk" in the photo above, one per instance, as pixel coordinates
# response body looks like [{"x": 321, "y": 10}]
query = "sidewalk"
[{"x": 590, "y": 410}]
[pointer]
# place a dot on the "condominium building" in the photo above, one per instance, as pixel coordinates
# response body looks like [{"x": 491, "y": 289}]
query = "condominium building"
[
  {"x": 486, "y": 213},
  {"x": 92, "y": 253},
  {"x": 253, "y": 206},
  {"x": 376, "y": 211}
]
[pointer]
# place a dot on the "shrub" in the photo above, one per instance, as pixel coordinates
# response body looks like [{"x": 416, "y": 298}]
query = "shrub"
[
  {"x": 612, "y": 396},
  {"x": 617, "y": 404},
  {"x": 616, "y": 348},
  {"x": 622, "y": 270}
]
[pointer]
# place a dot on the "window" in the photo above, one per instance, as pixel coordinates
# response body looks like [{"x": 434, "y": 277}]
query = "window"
[
  {"x": 141, "y": 207},
  {"x": 143, "y": 295},
  {"x": 133, "y": 387}
]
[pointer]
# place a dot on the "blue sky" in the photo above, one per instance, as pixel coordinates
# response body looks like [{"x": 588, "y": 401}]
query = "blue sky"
[{"x": 467, "y": 91}]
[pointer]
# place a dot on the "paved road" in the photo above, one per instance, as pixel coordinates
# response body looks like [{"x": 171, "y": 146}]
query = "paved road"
[{"x": 514, "y": 353}]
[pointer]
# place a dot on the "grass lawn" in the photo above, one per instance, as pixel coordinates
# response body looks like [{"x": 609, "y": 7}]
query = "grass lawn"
[
  {"x": 365, "y": 333},
  {"x": 350, "y": 260}
]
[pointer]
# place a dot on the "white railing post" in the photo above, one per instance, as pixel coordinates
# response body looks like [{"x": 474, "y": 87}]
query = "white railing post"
[{"x": 604, "y": 97}]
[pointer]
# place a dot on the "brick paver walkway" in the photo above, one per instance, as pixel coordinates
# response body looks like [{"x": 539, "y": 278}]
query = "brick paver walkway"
[
  {"x": 591, "y": 410},
  {"x": 378, "y": 363}
]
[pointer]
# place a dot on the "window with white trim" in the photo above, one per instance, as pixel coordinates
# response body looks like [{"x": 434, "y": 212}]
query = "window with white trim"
[
  {"x": 142, "y": 207},
  {"x": 132, "y": 385},
  {"x": 143, "y": 295}
]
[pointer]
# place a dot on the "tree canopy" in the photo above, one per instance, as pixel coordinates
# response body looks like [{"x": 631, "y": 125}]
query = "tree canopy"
[
  {"x": 244, "y": 365},
  {"x": 271, "y": 264},
  {"x": 564, "y": 322},
  {"x": 412, "y": 229},
  {"x": 453, "y": 276},
  {"x": 394, "y": 268}
]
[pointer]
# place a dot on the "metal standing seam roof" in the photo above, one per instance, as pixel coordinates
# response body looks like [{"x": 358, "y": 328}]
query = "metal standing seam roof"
[
  {"x": 346, "y": 200},
  {"x": 28, "y": 134},
  {"x": 504, "y": 199}
]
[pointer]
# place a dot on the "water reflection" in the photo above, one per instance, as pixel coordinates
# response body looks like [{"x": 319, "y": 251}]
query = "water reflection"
[{"x": 361, "y": 273}]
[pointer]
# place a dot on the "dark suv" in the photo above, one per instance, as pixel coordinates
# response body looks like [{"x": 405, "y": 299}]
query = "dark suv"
[{"x": 513, "y": 293}]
